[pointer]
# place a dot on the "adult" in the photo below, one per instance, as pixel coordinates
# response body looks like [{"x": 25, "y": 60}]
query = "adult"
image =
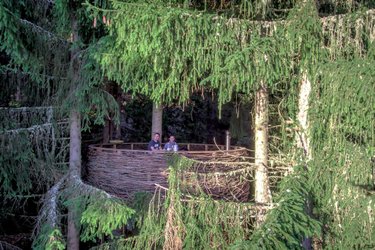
[
  {"x": 154, "y": 144},
  {"x": 171, "y": 145}
]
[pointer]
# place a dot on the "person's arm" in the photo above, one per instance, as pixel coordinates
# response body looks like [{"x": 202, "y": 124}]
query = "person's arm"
[{"x": 151, "y": 146}]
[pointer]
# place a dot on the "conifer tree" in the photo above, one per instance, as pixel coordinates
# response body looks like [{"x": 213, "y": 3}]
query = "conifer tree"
[{"x": 49, "y": 49}]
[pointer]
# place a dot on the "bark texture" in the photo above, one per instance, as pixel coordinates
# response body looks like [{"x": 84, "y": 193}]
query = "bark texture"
[
  {"x": 303, "y": 140},
  {"x": 262, "y": 188},
  {"x": 75, "y": 143},
  {"x": 157, "y": 120},
  {"x": 74, "y": 170},
  {"x": 303, "y": 106}
]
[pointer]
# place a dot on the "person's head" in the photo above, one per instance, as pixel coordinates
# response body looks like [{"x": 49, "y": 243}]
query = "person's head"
[
  {"x": 156, "y": 136},
  {"x": 172, "y": 138}
]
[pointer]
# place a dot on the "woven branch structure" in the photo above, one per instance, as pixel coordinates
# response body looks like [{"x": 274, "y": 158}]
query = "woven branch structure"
[{"x": 124, "y": 169}]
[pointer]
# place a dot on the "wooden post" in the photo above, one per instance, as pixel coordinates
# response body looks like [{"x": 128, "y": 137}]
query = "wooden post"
[{"x": 227, "y": 140}]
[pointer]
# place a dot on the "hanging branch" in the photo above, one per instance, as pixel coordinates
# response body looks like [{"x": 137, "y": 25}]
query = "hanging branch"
[
  {"x": 33, "y": 128},
  {"x": 233, "y": 56},
  {"x": 41, "y": 30},
  {"x": 49, "y": 212},
  {"x": 84, "y": 189},
  {"x": 93, "y": 199}
]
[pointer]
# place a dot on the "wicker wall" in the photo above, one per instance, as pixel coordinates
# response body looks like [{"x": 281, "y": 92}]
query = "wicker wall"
[{"x": 125, "y": 169}]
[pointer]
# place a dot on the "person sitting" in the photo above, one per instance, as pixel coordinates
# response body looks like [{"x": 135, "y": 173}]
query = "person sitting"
[
  {"x": 171, "y": 145},
  {"x": 154, "y": 144}
]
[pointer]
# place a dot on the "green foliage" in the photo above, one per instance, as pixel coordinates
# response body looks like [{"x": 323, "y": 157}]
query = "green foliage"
[
  {"x": 44, "y": 54},
  {"x": 170, "y": 52},
  {"x": 343, "y": 147},
  {"x": 232, "y": 55},
  {"x": 29, "y": 44},
  {"x": 346, "y": 101},
  {"x": 61, "y": 12},
  {"x": 96, "y": 213},
  {"x": 56, "y": 241},
  {"x": 31, "y": 155},
  {"x": 10, "y": 41},
  {"x": 49, "y": 239},
  {"x": 16, "y": 180},
  {"x": 84, "y": 91},
  {"x": 101, "y": 218},
  {"x": 343, "y": 178},
  {"x": 200, "y": 221},
  {"x": 288, "y": 223}
]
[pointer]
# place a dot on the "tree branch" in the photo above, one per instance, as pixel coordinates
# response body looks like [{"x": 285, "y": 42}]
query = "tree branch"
[
  {"x": 83, "y": 188},
  {"x": 39, "y": 29},
  {"x": 49, "y": 211}
]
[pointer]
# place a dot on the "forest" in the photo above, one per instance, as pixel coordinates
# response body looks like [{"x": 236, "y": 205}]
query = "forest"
[{"x": 271, "y": 102}]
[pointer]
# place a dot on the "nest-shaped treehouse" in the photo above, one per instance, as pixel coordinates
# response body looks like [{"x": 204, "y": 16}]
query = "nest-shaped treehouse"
[{"x": 127, "y": 168}]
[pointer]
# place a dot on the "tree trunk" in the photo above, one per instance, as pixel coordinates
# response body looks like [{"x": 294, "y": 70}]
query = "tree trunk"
[
  {"x": 74, "y": 170},
  {"x": 119, "y": 100},
  {"x": 75, "y": 145},
  {"x": 106, "y": 130},
  {"x": 302, "y": 138},
  {"x": 157, "y": 120},
  {"x": 262, "y": 190},
  {"x": 303, "y": 106}
]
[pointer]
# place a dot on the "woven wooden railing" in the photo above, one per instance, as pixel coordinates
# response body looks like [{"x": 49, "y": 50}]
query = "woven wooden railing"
[{"x": 123, "y": 169}]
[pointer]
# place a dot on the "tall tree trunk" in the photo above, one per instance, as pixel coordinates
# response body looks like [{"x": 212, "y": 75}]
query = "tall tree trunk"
[
  {"x": 75, "y": 144},
  {"x": 302, "y": 138},
  {"x": 157, "y": 120},
  {"x": 74, "y": 170},
  {"x": 106, "y": 130},
  {"x": 118, "y": 132},
  {"x": 262, "y": 189},
  {"x": 119, "y": 100}
]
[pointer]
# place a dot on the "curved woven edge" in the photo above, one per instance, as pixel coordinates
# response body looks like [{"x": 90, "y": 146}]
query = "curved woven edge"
[
  {"x": 124, "y": 172},
  {"x": 186, "y": 148}
]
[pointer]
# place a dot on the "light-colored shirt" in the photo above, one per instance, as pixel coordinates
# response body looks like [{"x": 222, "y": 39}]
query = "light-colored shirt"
[{"x": 171, "y": 146}]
